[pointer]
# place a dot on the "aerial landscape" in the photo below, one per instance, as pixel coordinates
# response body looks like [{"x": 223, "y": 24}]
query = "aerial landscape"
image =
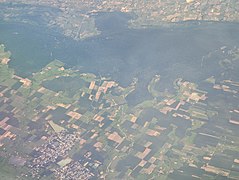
[{"x": 119, "y": 90}]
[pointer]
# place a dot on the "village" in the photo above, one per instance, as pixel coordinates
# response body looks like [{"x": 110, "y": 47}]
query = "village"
[{"x": 95, "y": 134}]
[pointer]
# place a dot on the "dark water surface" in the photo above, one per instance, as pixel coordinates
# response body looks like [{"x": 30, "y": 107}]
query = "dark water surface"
[{"x": 120, "y": 52}]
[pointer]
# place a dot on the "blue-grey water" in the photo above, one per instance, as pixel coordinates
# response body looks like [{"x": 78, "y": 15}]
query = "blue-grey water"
[{"x": 120, "y": 52}]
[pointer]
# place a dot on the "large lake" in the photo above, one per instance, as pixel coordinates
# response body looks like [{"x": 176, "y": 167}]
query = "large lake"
[{"x": 120, "y": 52}]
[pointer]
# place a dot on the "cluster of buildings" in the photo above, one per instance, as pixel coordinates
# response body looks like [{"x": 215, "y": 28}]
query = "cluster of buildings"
[
  {"x": 97, "y": 134},
  {"x": 73, "y": 171},
  {"x": 58, "y": 145},
  {"x": 54, "y": 151}
]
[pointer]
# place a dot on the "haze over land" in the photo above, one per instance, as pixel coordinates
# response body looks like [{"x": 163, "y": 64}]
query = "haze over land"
[
  {"x": 119, "y": 90},
  {"x": 74, "y": 17}
]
